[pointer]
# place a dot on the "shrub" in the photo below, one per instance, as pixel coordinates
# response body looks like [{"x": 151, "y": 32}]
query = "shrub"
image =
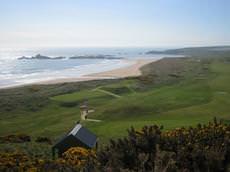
[
  {"x": 15, "y": 138},
  {"x": 136, "y": 152},
  {"x": 18, "y": 162},
  {"x": 200, "y": 148},
  {"x": 43, "y": 140},
  {"x": 78, "y": 157}
]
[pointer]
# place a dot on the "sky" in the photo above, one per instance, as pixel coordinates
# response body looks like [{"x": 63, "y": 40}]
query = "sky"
[{"x": 114, "y": 23}]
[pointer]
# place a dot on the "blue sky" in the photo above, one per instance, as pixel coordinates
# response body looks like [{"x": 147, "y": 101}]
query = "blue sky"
[{"x": 153, "y": 23}]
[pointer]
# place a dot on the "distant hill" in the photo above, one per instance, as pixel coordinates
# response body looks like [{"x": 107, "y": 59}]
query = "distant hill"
[{"x": 196, "y": 51}]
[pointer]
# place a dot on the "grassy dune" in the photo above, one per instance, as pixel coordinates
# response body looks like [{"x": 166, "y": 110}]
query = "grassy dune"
[{"x": 171, "y": 92}]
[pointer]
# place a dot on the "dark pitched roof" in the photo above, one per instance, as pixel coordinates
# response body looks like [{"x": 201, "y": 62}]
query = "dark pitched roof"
[
  {"x": 85, "y": 136},
  {"x": 80, "y": 134}
]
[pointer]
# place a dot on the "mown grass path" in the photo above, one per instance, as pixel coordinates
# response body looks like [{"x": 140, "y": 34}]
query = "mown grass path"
[{"x": 107, "y": 92}]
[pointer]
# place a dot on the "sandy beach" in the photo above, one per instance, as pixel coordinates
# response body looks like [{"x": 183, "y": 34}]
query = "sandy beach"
[{"x": 129, "y": 71}]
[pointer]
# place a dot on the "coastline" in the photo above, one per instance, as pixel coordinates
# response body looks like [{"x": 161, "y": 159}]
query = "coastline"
[
  {"x": 131, "y": 70},
  {"x": 123, "y": 72}
]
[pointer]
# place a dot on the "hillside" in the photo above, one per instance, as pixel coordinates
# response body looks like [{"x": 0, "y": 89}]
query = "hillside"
[
  {"x": 197, "y": 51},
  {"x": 171, "y": 92}
]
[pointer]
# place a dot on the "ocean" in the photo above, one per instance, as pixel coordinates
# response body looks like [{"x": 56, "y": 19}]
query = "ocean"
[{"x": 14, "y": 72}]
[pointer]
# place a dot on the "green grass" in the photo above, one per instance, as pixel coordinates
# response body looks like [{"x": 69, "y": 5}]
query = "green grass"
[
  {"x": 200, "y": 91},
  {"x": 78, "y": 96}
]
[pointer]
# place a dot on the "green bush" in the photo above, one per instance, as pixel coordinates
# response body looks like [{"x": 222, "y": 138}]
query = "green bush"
[{"x": 201, "y": 148}]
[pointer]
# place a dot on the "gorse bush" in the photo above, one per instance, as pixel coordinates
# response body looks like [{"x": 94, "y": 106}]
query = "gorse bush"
[
  {"x": 78, "y": 157},
  {"x": 18, "y": 162},
  {"x": 43, "y": 140},
  {"x": 15, "y": 138},
  {"x": 200, "y": 149},
  {"x": 75, "y": 159},
  {"x": 135, "y": 152}
]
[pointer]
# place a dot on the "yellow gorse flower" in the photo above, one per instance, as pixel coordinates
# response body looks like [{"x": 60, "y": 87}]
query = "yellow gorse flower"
[{"x": 77, "y": 156}]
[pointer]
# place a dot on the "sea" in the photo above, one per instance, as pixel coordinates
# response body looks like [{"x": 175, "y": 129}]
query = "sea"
[{"x": 15, "y": 72}]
